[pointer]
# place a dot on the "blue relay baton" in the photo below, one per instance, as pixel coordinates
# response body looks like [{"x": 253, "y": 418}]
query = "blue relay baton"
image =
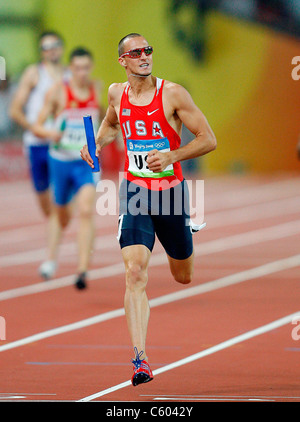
[{"x": 90, "y": 137}]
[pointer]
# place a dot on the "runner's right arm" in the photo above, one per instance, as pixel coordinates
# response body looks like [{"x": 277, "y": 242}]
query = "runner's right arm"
[
  {"x": 28, "y": 81},
  {"x": 109, "y": 127}
]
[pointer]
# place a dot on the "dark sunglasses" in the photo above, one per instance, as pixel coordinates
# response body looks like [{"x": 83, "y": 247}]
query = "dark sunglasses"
[
  {"x": 50, "y": 46},
  {"x": 137, "y": 52}
]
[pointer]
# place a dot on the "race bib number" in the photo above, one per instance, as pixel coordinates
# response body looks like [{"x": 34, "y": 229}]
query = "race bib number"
[
  {"x": 138, "y": 151},
  {"x": 73, "y": 136}
]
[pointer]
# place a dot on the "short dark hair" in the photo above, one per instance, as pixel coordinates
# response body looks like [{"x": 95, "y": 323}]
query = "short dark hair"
[
  {"x": 80, "y": 52},
  {"x": 50, "y": 34},
  {"x": 122, "y": 41}
]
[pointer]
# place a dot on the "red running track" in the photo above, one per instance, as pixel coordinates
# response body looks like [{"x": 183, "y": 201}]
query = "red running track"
[{"x": 228, "y": 336}]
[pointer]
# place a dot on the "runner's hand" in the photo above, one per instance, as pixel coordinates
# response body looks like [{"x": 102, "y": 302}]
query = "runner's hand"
[
  {"x": 158, "y": 161},
  {"x": 85, "y": 155}
]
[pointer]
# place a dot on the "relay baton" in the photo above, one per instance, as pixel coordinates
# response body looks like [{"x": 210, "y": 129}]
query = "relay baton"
[{"x": 90, "y": 137}]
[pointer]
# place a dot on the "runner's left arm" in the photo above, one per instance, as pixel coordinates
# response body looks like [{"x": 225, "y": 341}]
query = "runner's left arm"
[
  {"x": 193, "y": 118},
  {"x": 48, "y": 109}
]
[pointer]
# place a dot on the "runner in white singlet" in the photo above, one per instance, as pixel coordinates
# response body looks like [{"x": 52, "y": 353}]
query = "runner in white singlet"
[{"x": 36, "y": 80}]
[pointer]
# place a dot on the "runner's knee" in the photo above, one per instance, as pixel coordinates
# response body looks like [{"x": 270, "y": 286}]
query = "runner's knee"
[
  {"x": 183, "y": 277},
  {"x": 64, "y": 217},
  {"x": 136, "y": 276},
  {"x": 86, "y": 198},
  {"x": 45, "y": 204},
  {"x": 85, "y": 211}
]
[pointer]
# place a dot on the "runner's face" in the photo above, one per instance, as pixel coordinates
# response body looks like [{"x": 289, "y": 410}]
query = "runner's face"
[
  {"x": 81, "y": 68},
  {"x": 51, "y": 49},
  {"x": 141, "y": 66}
]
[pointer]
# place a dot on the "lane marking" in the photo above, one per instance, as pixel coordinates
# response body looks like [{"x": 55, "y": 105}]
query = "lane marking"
[
  {"x": 192, "y": 358},
  {"x": 36, "y": 231},
  {"x": 217, "y": 396},
  {"x": 80, "y": 363},
  {"x": 30, "y": 394},
  {"x": 229, "y": 280},
  {"x": 66, "y": 249},
  {"x": 223, "y": 244},
  {"x": 107, "y": 346},
  {"x": 253, "y": 194},
  {"x": 210, "y": 399},
  {"x": 215, "y": 219},
  {"x": 237, "y": 197}
]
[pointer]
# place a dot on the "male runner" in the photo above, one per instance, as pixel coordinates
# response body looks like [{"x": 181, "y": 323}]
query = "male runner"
[
  {"x": 150, "y": 113},
  {"x": 70, "y": 177},
  {"x": 26, "y": 104}
]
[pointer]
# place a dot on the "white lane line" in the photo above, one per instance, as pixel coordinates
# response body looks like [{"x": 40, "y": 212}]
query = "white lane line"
[
  {"x": 232, "y": 279},
  {"x": 66, "y": 249},
  {"x": 223, "y": 244},
  {"x": 249, "y": 238},
  {"x": 64, "y": 329},
  {"x": 29, "y": 394},
  {"x": 255, "y": 212},
  {"x": 215, "y": 219},
  {"x": 45, "y": 286},
  {"x": 221, "y": 346},
  {"x": 38, "y": 232},
  {"x": 237, "y": 198},
  {"x": 217, "y": 396},
  {"x": 233, "y": 198},
  {"x": 252, "y": 195},
  {"x": 209, "y": 399}
]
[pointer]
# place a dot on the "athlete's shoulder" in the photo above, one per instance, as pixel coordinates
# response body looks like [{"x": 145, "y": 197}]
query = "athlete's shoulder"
[
  {"x": 175, "y": 93},
  {"x": 173, "y": 88},
  {"x": 30, "y": 75},
  {"x": 115, "y": 92},
  {"x": 117, "y": 87},
  {"x": 32, "y": 68}
]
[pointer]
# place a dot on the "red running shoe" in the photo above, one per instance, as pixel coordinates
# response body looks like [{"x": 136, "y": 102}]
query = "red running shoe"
[{"x": 141, "y": 369}]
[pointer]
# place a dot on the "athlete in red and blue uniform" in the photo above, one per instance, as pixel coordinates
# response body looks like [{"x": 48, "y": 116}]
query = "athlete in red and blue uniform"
[
  {"x": 68, "y": 172},
  {"x": 150, "y": 113},
  {"x": 145, "y": 128},
  {"x": 70, "y": 177}
]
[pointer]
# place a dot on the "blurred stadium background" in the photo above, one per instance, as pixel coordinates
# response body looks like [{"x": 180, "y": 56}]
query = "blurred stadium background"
[{"x": 235, "y": 57}]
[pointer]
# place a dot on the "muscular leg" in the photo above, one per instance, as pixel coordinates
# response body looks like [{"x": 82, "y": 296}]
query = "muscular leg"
[
  {"x": 54, "y": 235},
  {"x": 86, "y": 205},
  {"x": 54, "y": 228},
  {"x": 137, "y": 310},
  {"x": 182, "y": 269},
  {"x": 63, "y": 213},
  {"x": 44, "y": 200}
]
